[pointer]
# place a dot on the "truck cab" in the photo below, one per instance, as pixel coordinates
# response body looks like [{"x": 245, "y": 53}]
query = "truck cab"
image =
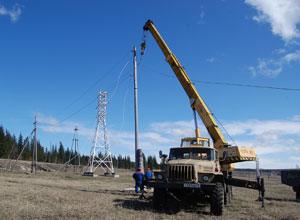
[{"x": 194, "y": 161}]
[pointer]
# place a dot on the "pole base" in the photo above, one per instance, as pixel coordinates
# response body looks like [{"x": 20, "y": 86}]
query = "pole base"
[{"x": 91, "y": 174}]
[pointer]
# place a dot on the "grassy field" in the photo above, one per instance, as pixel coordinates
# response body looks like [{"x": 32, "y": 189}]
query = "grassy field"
[{"x": 62, "y": 195}]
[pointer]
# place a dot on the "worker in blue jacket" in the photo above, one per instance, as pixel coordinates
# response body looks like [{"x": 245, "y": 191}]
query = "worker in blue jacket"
[
  {"x": 138, "y": 176},
  {"x": 148, "y": 174}
]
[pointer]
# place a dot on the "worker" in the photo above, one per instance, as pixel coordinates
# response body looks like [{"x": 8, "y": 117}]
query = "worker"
[
  {"x": 148, "y": 174},
  {"x": 138, "y": 176}
]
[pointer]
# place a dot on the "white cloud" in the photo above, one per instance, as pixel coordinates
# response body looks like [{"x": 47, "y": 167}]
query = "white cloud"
[
  {"x": 210, "y": 60},
  {"x": 279, "y": 51},
  {"x": 201, "y": 16},
  {"x": 270, "y": 68},
  {"x": 283, "y": 16},
  {"x": 295, "y": 158},
  {"x": 258, "y": 128},
  {"x": 292, "y": 57},
  {"x": 296, "y": 118},
  {"x": 176, "y": 129},
  {"x": 14, "y": 13},
  {"x": 46, "y": 120},
  {"x": 273, "y": 67},
  {"x": 67, "y": 128},
  {"x": 278, "y": 139}
]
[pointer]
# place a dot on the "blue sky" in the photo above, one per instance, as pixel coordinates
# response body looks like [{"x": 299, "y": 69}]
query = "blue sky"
[{"x": 57, "y": 55}]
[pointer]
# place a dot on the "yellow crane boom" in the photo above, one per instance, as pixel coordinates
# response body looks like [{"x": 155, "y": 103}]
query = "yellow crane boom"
[
  {"x": 228, "y": 154},
  {"x": 197, "y": 102}
]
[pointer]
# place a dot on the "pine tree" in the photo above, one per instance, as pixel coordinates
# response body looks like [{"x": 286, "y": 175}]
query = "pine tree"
[
  {"x": 2, "y": 139},
  {"x": 68, "y": 155},
  {"x": 61, "y": 153},
  {"x": 155, "y": 164}
]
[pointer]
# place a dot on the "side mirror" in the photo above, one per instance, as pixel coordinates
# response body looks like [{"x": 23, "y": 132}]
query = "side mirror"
[{"x": 160, "y": 154}]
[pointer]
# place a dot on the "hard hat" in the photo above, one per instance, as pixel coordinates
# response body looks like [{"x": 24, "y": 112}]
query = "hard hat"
[
  {"x": 139, "y": 169},
  {"x": 148, "y": 169}
]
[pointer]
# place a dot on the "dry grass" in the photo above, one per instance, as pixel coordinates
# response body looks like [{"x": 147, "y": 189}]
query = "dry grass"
[{"x": 72, "y": 196}]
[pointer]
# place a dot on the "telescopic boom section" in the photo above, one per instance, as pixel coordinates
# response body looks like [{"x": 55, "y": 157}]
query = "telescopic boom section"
[{"x": 196, "y": 101}]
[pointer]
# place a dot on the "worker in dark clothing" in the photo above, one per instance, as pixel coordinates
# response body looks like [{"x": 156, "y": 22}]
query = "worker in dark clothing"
[
  {"x": 148, "y": 174},
  {"x": 138, "y": 176}
]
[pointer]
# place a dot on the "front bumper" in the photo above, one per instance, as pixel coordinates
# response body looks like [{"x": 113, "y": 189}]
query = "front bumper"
[{"x": 180, "y": 185}]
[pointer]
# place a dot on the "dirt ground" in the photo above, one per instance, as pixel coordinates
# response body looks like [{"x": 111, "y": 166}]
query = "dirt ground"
[{"x": 69, "y": 195}]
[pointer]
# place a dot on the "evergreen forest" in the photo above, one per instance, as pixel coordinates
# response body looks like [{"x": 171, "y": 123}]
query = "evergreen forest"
[{"x": 11, "y": 147}]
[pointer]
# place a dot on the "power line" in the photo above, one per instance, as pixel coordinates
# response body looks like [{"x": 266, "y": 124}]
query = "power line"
[
  {"x": 76, "y": 112},
  {"x": 96, "y": 82},
  {"x": 233, "y": 84},
  {"x": 124, "y": 102},
  {"x": 247, "y": 85},
  {"x": 120, "y": 80}
]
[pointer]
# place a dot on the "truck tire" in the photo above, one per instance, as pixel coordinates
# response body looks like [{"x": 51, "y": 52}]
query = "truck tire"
[
  {"x": 216, "y": 200},
  {"x": 159, "y": 199},
  {"x": 172, "y": 205}
]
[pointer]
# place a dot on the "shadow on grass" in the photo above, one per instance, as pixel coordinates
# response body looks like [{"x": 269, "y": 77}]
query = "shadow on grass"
[
  {"x": 280, "y": 200},
  {"x": 146, "y": 204},
  {"x": 135, "y": 204},
  {"x": 101, "y": 191}
]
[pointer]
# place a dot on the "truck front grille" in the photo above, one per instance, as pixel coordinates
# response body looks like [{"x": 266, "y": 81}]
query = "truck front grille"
[{"x": 181, "y": 173}]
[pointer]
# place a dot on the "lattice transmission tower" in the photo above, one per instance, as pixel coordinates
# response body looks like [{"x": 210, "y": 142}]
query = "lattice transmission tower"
[
  {"x": 75, "y": 146},
  {"x": 100, "y": 155}
]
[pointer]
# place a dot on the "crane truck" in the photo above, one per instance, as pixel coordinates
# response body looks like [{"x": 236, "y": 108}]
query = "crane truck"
[{"x": 197, "y": 170}]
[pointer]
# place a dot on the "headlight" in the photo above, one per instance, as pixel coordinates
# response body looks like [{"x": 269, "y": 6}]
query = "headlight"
[
  {"x": 160, "y": 177},
  {"x": 205, "y": 178}
]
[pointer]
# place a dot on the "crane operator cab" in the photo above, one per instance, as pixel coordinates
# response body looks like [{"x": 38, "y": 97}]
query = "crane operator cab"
[{"x": 195, "y": 141}]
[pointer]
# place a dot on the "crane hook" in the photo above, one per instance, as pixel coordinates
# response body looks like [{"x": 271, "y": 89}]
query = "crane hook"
[{"x": 143, "y": 46}]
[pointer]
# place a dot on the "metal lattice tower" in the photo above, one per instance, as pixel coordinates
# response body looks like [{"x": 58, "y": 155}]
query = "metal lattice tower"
[
  {"x": 75, "y": 145},
  {"x": 100, "y": 153}
]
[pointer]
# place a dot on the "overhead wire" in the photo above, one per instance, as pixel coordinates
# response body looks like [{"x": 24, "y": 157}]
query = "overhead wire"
[
  {"x": 247, "y": 85},
  {"x": 96, "y": 82},
  {"x": 124, "y": 102},
  {"x": 230, "y": 84},
  {"x": 119, "y": 81},
  {"x": 76, "y": 112}
]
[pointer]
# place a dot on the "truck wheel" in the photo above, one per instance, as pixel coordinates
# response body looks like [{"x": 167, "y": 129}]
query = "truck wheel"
[
  {"x": 159, "y": 199},
  {"x": 216, "y": 200},
  {"x": 298, "y": 196}
]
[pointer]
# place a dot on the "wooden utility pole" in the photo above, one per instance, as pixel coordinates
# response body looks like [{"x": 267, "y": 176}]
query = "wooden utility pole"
[
  {"x": 138, "y": 152},
  {"x": 34, "y": 150}
]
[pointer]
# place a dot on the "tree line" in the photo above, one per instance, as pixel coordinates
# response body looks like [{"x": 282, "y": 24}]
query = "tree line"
[{"x": 11, "y": 147}]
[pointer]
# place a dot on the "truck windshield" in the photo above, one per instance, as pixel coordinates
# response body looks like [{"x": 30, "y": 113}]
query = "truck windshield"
[
  {"x": 191, "y": 153},
  {"x": 188, "y": 143}
]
